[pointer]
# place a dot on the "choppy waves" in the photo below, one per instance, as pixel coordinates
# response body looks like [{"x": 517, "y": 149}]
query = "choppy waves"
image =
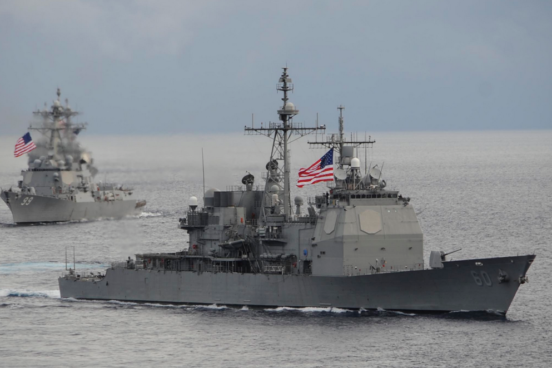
[
  {"x": 149, "y": 214},
  {"x": 30, "y": 293}
]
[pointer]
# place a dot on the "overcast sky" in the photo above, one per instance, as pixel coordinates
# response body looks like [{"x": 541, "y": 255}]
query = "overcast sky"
[{"x": 166, "y": 67}]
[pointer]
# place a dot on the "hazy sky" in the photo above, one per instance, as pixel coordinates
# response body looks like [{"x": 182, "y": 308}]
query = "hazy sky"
[{"x": 164, "y": 67}]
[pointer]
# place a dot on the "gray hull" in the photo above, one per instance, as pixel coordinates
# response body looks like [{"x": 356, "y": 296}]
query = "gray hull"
[
  {"x": 27, "y": 209},
  {"x": 471, "y": 285}
]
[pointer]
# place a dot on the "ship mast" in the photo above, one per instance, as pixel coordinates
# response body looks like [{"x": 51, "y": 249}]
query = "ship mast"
[
  {"x": 339, "y": 141},
  {"x": 281, "y": 134},
  {"x": 56, "y": 120}
]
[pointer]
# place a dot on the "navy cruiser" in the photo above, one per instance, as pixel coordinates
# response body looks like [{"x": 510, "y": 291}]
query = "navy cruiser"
[
  {"x": 59, "y": 183},
  {"x": 357, "y": 245}
]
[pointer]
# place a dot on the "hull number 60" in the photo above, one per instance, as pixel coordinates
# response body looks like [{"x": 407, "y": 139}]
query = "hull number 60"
[{"x": 484, "y": 279}]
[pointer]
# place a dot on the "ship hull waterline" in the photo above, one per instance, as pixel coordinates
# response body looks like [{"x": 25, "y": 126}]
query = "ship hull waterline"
[
  {"x": 32, "y": 209},
  {"x": 467, "y": 285}
]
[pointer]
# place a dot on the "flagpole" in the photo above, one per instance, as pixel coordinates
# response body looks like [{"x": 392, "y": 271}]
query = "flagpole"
[{"x": 203, "y": 166}]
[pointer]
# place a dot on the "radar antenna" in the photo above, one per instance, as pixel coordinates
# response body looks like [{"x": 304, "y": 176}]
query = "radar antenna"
[
  {"x": 281, "y": 134},
  {"x": 338, "y": 141}
]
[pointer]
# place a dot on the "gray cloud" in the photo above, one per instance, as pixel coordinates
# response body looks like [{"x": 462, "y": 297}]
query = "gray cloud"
[{"x": 168, "y": 67}]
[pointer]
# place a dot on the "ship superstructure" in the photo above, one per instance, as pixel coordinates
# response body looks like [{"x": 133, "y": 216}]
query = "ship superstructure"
[
  {"x": 59, "y": 184},
  {"x": 358, "y": 245}
]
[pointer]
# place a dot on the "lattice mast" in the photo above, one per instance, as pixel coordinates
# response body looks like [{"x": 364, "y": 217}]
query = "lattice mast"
[
  {"x": 57, "y": 120},
  {"x": 281, "y": 134}
]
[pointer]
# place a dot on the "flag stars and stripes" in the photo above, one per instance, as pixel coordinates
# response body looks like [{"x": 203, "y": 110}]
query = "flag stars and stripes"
[
  {"x": 24, "y": 145},
  {"x": 321, "y": 170}
]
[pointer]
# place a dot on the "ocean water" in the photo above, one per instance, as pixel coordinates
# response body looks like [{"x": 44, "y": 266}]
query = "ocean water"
[{"x": 489, "y": 193}]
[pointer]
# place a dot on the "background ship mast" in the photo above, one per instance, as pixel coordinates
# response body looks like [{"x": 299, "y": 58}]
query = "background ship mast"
[
  {"x": 281, "y": 134},
  {"x": 55, "y": 121}
]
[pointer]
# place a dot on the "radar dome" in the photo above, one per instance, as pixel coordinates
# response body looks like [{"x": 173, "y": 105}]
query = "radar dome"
[
  {"x": 289, "y": 106},
  {"x": 298, "y": 201},
  {"x": 274, "y": 189},
  {"x": 355, "y": 163},
  {"x": 192, "y": 203}
]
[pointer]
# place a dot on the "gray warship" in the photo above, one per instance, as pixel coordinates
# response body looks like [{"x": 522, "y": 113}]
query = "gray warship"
[
  {"x": 59, "y": 184},
  {"x": 357, "y": 246}
]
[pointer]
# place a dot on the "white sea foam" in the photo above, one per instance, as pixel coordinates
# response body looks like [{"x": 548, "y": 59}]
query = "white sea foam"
[
  {"x": 29, "y": 293},
  {"x": 119, "y": 302},
  {"x": 403, "y": 313},
  {"x": 150, "y": 214},
  {"x": 309, "y": 310},
  {"x": 212, "y": 306},
  {"x": 179, "y": 306}
]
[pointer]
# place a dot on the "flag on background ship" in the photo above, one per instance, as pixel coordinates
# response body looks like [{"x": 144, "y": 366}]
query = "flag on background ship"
[
  {"x": 24, "y": 145},
  {"x": 321, "y": 170}
]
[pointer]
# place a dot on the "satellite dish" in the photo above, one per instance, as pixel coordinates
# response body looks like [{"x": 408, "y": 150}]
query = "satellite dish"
[
  {"x": 248, "y": 179},
  {"x": 375, "y": 173},
  {"x": 340, "y": 174},
  {"x": 272, "y": 165}
]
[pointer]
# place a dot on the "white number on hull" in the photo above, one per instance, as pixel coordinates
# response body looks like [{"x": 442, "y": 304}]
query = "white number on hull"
[
  {"x": 483, "y": 279},
  {"x": 26, "y": 201}
]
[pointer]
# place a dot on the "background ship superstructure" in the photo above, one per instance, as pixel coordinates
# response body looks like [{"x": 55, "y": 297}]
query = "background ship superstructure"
[
  {"x": 59, "y": 183},
  {"x": 359, "y": 246}
]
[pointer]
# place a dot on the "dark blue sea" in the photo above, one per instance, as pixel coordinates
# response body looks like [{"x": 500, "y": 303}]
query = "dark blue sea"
[{"x": 488, "y": 193}]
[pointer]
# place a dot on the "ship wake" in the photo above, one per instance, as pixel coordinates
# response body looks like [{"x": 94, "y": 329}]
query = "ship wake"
[{"x": 54, "y": 294}]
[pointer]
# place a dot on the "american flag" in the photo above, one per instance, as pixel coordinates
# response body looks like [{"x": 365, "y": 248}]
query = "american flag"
[
  {"x": 24, "y": 145},
  {"x": 321, "y": 170}
]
